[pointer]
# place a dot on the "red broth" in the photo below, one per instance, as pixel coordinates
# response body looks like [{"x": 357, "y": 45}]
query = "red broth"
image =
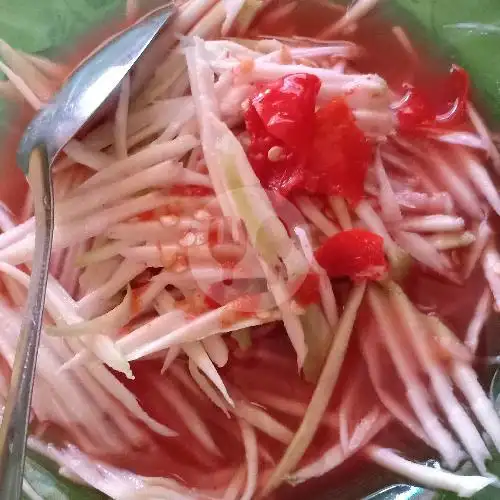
[{"x": 270, "y": 365}]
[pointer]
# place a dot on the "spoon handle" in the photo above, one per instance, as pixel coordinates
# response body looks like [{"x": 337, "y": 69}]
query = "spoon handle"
[{"x": 13, "y": 432}]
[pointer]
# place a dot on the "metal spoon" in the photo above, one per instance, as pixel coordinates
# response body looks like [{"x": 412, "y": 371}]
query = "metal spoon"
[{"x": 84, "y": 92}]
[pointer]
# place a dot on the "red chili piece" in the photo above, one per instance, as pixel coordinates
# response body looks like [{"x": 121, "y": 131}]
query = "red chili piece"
[
  {"x": 357, "y": 254},
  {"x": 280, "y": 118}
]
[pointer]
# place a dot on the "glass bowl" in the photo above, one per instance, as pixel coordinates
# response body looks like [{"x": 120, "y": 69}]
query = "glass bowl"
[{"x": 460, "y": 30}]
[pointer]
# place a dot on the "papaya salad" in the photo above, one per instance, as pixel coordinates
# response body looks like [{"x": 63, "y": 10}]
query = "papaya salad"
[{"x": 275, "y": 250}]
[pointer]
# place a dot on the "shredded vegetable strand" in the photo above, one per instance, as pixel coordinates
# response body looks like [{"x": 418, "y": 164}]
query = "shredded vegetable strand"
[
  {"x": 106, "y": 324},
  {"x": 465, "y": 486},
  {"x": 479, "y": 177},
  {"x": 205, "y": 386},
  {"x": 235, "y": 486},
  {"x": 21, "y": 87},
  {"x": 100, "y": 345},
  {"x": 328, "y": 300},
  {"x": 459, "y": 188},
  {"x": 203, "y": 91},
  {"x": 312, "y": 213},
  {"x": 341, "y": 211},
  {"x": 335, "y": 456},
  {"x": 199, "y": 356},
  {"x": 371, "y": 351},
  {"x": 457, "y": 416},
  {"x": 481, "y": 313},
  {"x": 217, "y": 350},
  {"x": 417, "y": 396},
  {"x": 251, "y": 453},
  {"x": 121, "y": 117},
  {"x": 485, "y": 135},
  {"x": 491, "y": 263},
  {"x": 388, "y": 203},
  {"x": 189, "y": 415},
  {"x": 483, "y": 408},
  {"x": 482, "y": 236},
  {"x": 355, "y": 12},
  {"x": 322, "y": 392}
]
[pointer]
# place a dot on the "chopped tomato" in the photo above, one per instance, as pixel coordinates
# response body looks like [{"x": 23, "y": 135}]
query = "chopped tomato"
[
  {"x": 190, "y": 190},
  {"x": 286, "y": 109},
  {"x": 340, "y": 155},
  {"x": 357, "y": 254},
  {"x": 280, "y": 119},
  {"x": 443, "y": 105},
  {"x": 308, "y": 291},
  {"x": 294, "y": 149}
]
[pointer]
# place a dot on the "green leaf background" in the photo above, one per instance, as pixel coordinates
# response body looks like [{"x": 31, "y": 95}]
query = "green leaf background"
[
  {"x": 36, "y": 26},
  {"x": 42, "y": 477},
  {"x": 465, "y": 31}
]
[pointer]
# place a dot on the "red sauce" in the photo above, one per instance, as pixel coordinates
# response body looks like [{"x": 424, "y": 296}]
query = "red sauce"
[
  {"x": 307, "y": 290},
  {"x": 190, "y": 190},
  {"x": 427, "y": 107},
  {"x": 270, "y": 365}
]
